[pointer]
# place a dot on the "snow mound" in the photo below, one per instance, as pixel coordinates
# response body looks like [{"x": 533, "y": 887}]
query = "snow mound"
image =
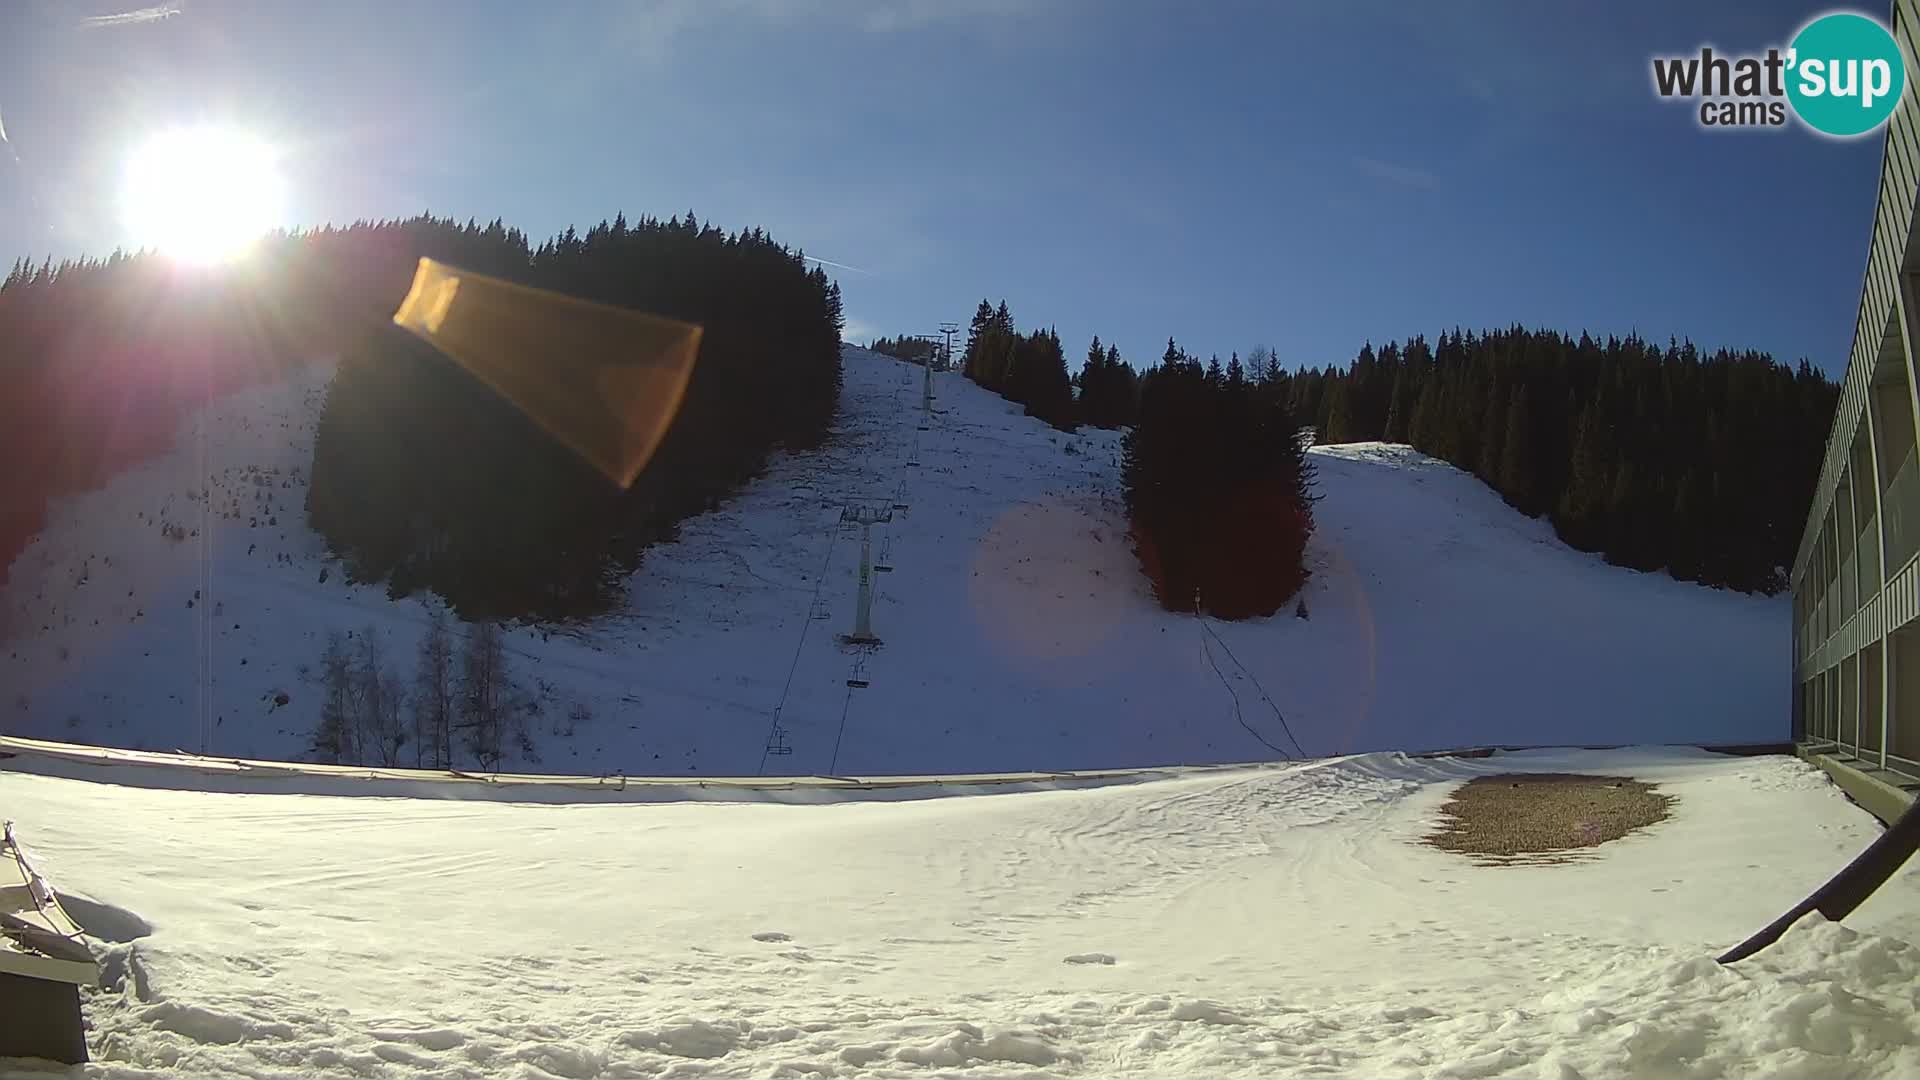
[{"x": 1017, "y": 632}]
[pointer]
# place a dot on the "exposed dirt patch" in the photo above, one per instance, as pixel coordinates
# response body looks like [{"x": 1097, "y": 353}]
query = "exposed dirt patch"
[{"x": 1541, "y": 817}]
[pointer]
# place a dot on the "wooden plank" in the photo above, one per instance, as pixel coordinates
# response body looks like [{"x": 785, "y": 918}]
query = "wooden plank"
[{"x": 38, "y": 939}]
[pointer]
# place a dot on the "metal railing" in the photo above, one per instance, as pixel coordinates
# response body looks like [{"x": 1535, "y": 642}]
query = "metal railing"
[
  {"x": 1901, "y": 508},
  {"x": 1867, "y": 550}
]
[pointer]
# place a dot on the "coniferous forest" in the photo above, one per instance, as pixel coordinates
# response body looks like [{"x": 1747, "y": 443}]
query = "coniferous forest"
[
  {"x": 102, "y": 358},
  {"x": 912, "y": 350},
  {"x": 1700, "y": 464},
  {"x": 424, "y": 478},
  {"x": 1216, "y": 480},
  {"x": 1027, "y": 369},
  {"x": 421, "y": 477},
  {"x": 1659, "y": 458},
  {"x": 1109, "y": 387},
  {"x": 1218, "y": 489}
]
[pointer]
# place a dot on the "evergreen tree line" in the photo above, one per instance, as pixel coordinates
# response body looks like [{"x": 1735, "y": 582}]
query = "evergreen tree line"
[
  {"x": 423, "y": 478},
  {"x": 102, "y": 358},
  {"x": 466, "y": 704},
  {"x": 911, "y": 349},
  {"x": 1218, "y": 488},
  {"x": 1702, "y": 464},
  {"x": 1026, "y": 369},
  {"x": 1109, "y": 388}
]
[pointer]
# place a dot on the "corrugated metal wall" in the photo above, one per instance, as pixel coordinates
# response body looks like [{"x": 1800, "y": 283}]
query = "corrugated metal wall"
[{"x": 1856, "y": 583}]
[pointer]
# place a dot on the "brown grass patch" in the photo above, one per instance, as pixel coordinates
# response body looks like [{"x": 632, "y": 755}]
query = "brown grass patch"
[{"x": 1541, "y": 817}]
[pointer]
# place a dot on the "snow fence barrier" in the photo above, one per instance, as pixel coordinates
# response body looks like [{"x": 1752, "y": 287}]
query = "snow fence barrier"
[{"x": 183, "y": 770}]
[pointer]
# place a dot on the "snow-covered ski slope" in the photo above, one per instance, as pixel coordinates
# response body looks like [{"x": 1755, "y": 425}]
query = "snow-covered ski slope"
[
  {"x": 1018, "y": 633},
  {"x": 1280, "y": 921}
]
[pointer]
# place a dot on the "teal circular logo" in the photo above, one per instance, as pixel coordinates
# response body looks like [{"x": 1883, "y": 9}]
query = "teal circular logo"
[{"x": 1845, "y": 74}]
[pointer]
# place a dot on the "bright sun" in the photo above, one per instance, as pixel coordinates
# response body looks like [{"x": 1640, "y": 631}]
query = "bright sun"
[{"x": 203, "y": 194}]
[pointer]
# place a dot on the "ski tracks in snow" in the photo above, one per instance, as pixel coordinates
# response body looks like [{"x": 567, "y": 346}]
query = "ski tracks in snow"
[{"x": 1275, "y": 921}]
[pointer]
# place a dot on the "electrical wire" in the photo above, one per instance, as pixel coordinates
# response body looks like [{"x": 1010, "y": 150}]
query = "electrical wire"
[
  {"x": 833, "y": 767},
  {"x": 819, "y": 581},
  {"x": 1207, "y": 650},
  {"x": 1264, "y": 696}
]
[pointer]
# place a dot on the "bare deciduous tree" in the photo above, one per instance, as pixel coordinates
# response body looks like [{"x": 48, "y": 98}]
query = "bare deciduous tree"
[
  {"x": 485, "y": 693},
  {"x": 382, "y": 700},
  {"x": 434, "y": 698},
  {"x": 361, "y": 702},
  {"x": 333, "y": 738}
]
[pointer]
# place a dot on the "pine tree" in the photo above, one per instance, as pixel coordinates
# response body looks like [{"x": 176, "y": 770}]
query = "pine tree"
[
  {"x": 1106, "y": 387},
  {"x": 982, "y": 319},
  {"x": 1399, "y": 408},
  {"x": 1686, "y": 558},
  {"x": 1518, "y": 471},
  {"x": 836, "y": 309},
  {"x": 1423, "y": 429},
  {"x": 1493, "y": 434},
  {"x": 1338, "y": 426},
  {"x": 1624, "y": 541},
  {"x": 1217, "y": 489},
  {"x": 1588, "y": 484},
  {"x": 1040, "y": 380}
]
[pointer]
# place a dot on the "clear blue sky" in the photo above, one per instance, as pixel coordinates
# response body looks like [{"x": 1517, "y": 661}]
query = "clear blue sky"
[{"x": 1231, "y": 173}]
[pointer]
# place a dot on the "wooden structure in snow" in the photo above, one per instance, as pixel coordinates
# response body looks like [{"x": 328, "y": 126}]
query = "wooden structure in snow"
[{"x": 43, "y": 964}]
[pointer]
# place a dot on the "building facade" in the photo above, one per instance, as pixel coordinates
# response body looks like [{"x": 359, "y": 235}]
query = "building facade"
[{"x": 1856, "y": 585}]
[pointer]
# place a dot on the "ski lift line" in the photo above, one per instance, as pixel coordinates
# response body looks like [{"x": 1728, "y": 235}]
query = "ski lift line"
[
  {"x": 1208, "y": 652},
  {"x": 819, "y": 580},
  {"x": 1235, "y": 698},
  {"x": 1264, "y": 696},
  {"x": 203, "y": 624},
  {"x": 833, "y": 769}
]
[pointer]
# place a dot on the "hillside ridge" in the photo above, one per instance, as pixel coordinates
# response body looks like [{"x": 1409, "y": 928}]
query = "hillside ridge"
[{"x": 1018, "y": 633}]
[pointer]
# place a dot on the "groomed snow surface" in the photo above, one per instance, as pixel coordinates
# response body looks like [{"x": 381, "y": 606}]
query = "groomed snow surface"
[
  {"x": 1266, "y": 921},
  {"x": 1018, "y": 632},
  {"x": 1279, "y": 921}
]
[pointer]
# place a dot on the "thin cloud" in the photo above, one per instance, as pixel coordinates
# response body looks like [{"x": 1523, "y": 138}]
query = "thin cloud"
[
  {"x": 1394, "y": 173},
  {"x": 890, "y": 16},
  {"x": 647, "y": 29},
  {"x": 133, "y": 18}
]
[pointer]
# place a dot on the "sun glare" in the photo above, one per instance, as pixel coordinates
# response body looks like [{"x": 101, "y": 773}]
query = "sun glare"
[{"x": 202, "y": 195}]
